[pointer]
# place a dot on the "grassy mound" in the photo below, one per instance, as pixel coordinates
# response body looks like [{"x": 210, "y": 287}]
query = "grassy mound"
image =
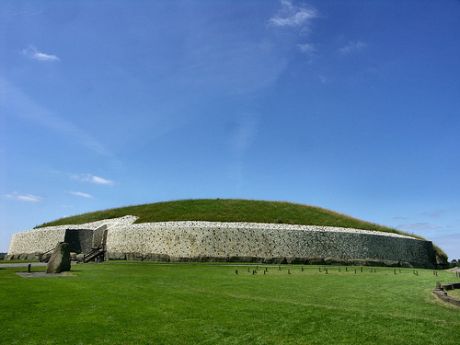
[
  {"x": 232, "y": 210},
  {"x": 228, "y": 210}
]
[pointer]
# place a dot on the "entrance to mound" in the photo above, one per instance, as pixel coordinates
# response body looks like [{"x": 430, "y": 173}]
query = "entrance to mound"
[
  {"x": 90, "y": 243},
  {"x": 79, "y": 240}
]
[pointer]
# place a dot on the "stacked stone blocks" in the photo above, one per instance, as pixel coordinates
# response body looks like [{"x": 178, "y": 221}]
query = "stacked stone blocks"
[{"x": 219, "y": 241}]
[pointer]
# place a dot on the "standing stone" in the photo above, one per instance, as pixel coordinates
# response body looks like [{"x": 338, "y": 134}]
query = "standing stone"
[{"x": 60, "y": 259}]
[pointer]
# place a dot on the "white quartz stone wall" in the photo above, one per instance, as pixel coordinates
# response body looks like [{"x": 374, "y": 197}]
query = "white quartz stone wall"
[
  {"x": 191, "y": 240},
  {"x": 36, "y": 241},
  {"x": 43, "y": 239},
  {"x": 188, "y": 240}
]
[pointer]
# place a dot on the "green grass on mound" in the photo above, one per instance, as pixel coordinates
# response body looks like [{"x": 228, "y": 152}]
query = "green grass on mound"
[
  {"x": 232, "y": 210},
  {"x": 227, "y": 210},
  {"x": 144, "y": 303}
]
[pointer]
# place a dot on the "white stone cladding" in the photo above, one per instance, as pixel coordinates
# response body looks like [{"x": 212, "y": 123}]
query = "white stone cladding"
[
  {"x": 40, "y": 240},
  {"x": 195, "y": 240},
  {"x": 36, "y": 241}
]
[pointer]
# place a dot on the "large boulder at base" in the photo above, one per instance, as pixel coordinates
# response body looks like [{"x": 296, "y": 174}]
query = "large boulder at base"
[{"x": 60, "y": 259}]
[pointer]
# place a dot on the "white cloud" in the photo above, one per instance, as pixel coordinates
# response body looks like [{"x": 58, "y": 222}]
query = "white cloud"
[
  {"x": 352, "y": 47},
  {"x": 23, "y": 197},
  {"x": 307, "y": 48},
  {"x": 244, "y": 133},
  {"x": 92, "y": 179},
  {"x": 293, "y": 16},
  {"x": 323, "y": 79},
  {"x": 82, "y": 195},
  {"x": 399, "y": 218},
  {"x": 32, "y": 53},
  {"x": 298, "y": 17},
  {"x": 434, "y": 213}
]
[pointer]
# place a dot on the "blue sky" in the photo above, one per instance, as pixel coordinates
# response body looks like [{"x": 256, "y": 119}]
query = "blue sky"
[{"x": 348, "y": 105}]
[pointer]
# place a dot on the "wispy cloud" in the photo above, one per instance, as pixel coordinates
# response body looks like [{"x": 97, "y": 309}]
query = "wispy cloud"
[
  {"x": 399, "y": 218},
  {"x": 16, "y": 103},
  {"x": 242, "y": 134},
  {"x": 291, "y": 15},
  {"x": 352, "y": 47},
  {"x": 34, "y": 54},
  {"x": 323, "y": 79},
  {"x": 23, "y": 197},
  {"x": 81, "y": 195},
  {"x": 25, "y": 13},
  {"x": 433, "y": 213},
  {"x": 92, "y": 179},
  {"x": 449, "y": 243},
  {"x": 307, "y": 48},
  {"x": 297, "y": 17},
  {"x": 420, "y": 226}
]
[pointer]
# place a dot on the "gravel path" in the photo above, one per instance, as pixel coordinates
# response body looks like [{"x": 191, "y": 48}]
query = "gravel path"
[{"x": 20, "y": 264}]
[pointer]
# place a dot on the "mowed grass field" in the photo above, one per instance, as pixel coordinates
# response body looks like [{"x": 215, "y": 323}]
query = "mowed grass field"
[{"x": 147, "y": 303}]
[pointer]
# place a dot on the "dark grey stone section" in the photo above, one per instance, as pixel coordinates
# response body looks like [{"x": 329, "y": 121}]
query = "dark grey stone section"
[
  {"x": 60, "y": 259},
  {"x": 273, "y": 260},
  {"x": 98, "y": 237},
  {"x": 79, "y": 240}
]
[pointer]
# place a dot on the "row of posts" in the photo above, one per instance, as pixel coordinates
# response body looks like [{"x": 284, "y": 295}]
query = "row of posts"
[{"x": 326, "y": 270}]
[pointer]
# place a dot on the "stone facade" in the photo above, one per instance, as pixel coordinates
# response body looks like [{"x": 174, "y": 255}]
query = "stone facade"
[
  {"x": 44, "y": 239},
  {"x": 36, "y": 241},
  {"x": 214, "y": 241}
]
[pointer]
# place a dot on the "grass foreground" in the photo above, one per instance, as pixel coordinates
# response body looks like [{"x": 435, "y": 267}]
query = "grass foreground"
[{"x": 148, "y": 303}]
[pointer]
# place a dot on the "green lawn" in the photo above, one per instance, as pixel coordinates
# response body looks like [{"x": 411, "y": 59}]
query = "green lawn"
[{"x": 146, "y": 303}]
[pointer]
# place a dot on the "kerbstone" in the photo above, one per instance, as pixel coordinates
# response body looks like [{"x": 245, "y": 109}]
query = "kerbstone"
[{"x": 60, "y": 259}]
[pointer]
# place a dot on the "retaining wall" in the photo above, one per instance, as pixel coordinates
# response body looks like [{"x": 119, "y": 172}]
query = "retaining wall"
[
  {"x": 214, "y": 241},
  {"x": 198, "y": 241},
  {"x": 28, "y": 243},
  {"x": 36, "y": 241}
]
